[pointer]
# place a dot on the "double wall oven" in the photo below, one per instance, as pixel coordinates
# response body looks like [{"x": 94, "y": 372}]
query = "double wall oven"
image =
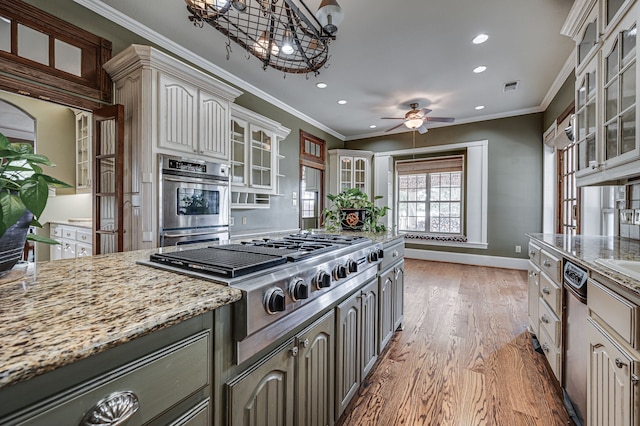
[{"x": 194, "y": 201}]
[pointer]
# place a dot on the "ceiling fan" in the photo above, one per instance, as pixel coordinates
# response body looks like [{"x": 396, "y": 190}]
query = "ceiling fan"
[{"x": 416, "y": 119}]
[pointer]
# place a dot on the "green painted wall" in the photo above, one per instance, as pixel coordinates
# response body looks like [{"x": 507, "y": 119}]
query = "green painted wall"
[
  {"x": 515, "y": 175},
  {"x": 560, "y": 102}
]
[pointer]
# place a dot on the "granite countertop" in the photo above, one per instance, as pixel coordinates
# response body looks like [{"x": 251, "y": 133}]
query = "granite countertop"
[
  {"x": 55, "y": 313},
  {"x": 584, "y": 250}
]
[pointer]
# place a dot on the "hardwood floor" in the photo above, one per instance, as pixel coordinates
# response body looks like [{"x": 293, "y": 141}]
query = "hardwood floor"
[{"x": 464, "y": 357}]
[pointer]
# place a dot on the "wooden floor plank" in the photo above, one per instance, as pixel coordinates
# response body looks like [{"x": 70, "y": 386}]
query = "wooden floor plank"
[{"x": 464, "y": 357}]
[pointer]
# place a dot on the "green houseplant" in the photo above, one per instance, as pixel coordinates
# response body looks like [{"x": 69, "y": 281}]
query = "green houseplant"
[
  {"x": 24, "y": 190},
  {"x": 353, "y": 210}
]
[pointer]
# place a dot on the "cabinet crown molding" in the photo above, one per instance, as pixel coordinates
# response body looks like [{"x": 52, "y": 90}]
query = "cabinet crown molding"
[
  {"x": 577, "y": 17},
  {"x": 146, "y": 57}
]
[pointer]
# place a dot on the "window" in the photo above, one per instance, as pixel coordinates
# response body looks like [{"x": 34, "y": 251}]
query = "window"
[{"x": 430, "y": 195}]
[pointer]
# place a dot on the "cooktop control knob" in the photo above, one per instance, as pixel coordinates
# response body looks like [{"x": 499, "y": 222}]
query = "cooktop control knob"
[
  {"x": 372, "y": 256},
  {"x": 340, "y": 271},
  {"x": 352, "y": 266},
  {"x": 274, "y": 300},
  {"x": 380, "y": 254},
  {"x": 323, "y": 280},
  {"x": 298, "y": 289}
]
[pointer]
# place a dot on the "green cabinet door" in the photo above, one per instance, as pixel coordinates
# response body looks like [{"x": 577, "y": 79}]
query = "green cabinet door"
[
  {"x": 369, "y": 327},
  {"x": 347, "y": 351},
  {"x": 398, "y": 291},
  {"x": 264, "y": 395}
]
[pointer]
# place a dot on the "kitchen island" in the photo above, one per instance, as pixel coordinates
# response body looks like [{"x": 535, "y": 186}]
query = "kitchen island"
[{"x": 76, "y": 330}]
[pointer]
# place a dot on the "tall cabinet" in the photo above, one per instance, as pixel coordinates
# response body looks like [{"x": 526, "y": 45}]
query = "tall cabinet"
[
  {"x": 606, "y": 90},
  {"x": 350, "y": 169},
  {"x": 171, "y": 108}
]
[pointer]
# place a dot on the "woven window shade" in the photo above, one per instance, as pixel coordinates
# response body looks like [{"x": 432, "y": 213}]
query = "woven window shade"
[{"x": 436, "y": 165}]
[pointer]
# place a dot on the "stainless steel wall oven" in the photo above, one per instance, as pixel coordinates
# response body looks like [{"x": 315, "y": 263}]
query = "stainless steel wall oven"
[{"x": 194, "y": 201}]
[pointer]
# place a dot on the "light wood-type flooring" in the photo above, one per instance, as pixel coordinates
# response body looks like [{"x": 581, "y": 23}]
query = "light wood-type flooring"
[{"x": 463, "y": 358}]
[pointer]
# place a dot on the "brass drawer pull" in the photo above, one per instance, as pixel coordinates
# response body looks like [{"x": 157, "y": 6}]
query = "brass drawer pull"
[
  {"x": 115, "y": 409},
  {"x": 546, "y": 290}
]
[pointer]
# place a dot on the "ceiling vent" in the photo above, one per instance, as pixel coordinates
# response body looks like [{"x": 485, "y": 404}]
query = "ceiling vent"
[{"x": 511, "y": 86}]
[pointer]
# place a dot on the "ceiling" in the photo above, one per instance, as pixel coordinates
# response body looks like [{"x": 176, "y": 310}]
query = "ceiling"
[{"x": 385, "y": 58}]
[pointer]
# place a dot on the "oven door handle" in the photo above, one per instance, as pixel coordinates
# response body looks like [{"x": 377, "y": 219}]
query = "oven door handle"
[
  {"x": 191, "y": 234},
  {"x": 208, "y": 181}
]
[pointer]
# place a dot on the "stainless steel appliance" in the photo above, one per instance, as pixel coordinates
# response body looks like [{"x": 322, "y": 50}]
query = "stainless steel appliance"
[
  {"x": 576, "y": 346},
  {"x": 284, "y": 281},
  {"x": 194, "y": 200}
]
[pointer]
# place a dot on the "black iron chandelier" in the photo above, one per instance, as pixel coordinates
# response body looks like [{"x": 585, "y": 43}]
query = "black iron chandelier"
[{"x": 282, "y": 34}]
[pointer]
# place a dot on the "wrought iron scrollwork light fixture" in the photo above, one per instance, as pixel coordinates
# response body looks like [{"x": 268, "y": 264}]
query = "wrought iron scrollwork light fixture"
[{"x": 282, "y": 34}]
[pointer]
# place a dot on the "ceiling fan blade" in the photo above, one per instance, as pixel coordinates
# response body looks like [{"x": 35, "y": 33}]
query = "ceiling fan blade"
[
  {"x": 422, "y": 129},
  {"x": 392, "y": 118},
  {"x": 424, "y": 111},
  {"x": 394, "y": 127},
  {"x": 440, "y": 119}
]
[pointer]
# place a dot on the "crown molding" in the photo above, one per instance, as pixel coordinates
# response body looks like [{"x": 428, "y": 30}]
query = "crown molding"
[
  {"x": 577, "y": 17},
  {"x": 147, "y": 33}
]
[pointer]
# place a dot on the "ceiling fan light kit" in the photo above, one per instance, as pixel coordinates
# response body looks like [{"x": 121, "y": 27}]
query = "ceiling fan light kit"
[
  {"x": 282, "y": 34},
  {"x": 417, "y": 119}
]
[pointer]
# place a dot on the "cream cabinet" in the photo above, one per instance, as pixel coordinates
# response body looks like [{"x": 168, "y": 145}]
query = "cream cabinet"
[
  {"x": 171, "y": 108},
  {"x": 606, "y": 90},
  {"x": 545, "y": 301},
  {"x": 192, "y": 120},
  {"x": 83, "y": 151},
  {"x": 349, "y": 169},
  {"x": 75, "y": 241},
  {"x": 255, "y": 158},
  {"x": 614, "y": 361}
]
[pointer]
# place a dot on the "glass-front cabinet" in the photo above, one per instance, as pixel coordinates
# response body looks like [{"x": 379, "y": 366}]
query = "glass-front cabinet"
[
  {"x": 255, "y": 158},
  {"x": 349, "y": 169},
  {"x": 585, "y": 121},
  {"x": 83, "y": 151}
]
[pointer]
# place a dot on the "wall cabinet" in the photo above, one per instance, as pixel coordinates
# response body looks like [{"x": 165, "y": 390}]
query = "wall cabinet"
[
  {"x": 83, "y": 151},
  {"x": 606, "y": 91},
  {"x": 75, "y": 241},
  {"x": 356, "y": 342},
  {"x": 255, "y": 158},
  {"x": 391, "y": 292},
  {"x": 349, "y": 169},
  {"x": 293, "y": 386}
]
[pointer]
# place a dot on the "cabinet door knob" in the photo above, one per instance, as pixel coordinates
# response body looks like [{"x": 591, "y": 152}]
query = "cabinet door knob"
[
  {"x": 546, "y": 290},
  {"x": 532, "y": 253},
  {"x": 635, "y": 380},
  {"x": 115, "y": 409},
  {"x": 544, "y": 318},
  {"x": 619, "y": 363},
  {"x": 546, "y": 263},
  {"x": 294, "y": 351},
  {"x": 305, "y": 343},
  {"x": 545, "y": 347},
  {"x": 395, "y": 253}
]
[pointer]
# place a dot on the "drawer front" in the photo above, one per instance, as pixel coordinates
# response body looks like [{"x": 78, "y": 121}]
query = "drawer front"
[
  {"x": 68, "y": 249},
  {"x": 84, "y": 237},
  {"x": 68, "y": 233},
  {"x": 534, "y": 253},
  {"x": 550, "y": 322},
  {"x": 551, "y": 265},
  {"x": 551, "y": 293},
  {"x": 55, "y": 231},
  {"x": 550, "y": 351},
  {"x": 392, "y": 254},
  {"x": 619, "y": 314},
  {"x": 159, "y": 381},
  {"x": 83, "y": 250}
]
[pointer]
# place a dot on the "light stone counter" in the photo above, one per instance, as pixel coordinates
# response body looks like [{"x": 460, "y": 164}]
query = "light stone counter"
[
  {"x": 584, "y": 250},
  {"x": 56, "y": 313}
]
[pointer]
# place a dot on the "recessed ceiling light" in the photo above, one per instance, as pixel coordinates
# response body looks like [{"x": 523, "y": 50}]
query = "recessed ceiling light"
[
  {"x": 321, "y": 85},
  {"x": 480, "y": 107},
  {"x": 480, "y": 69},
  {"x": 342, "y": 102},
  {"x": 373, "y": 126},
  {"x": 480, "y": 38}
]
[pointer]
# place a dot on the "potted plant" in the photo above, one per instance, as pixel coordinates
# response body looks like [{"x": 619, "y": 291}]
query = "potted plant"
[
  {"x": 352, "y": 210},
  {"x": 24, "y": 190}
]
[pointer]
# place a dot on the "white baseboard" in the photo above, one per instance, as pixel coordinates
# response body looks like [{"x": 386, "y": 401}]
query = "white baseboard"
[{"x": 470, "y": 259}]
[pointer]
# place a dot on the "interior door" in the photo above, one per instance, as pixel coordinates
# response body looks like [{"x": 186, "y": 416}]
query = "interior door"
[{"x": 108, "y": 188}]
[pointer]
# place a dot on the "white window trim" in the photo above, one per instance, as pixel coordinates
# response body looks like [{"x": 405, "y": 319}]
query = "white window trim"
[{"x": 477, "y": 180}]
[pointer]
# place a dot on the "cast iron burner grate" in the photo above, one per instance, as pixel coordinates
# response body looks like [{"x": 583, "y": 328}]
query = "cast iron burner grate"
[
  {"x": 293, "y": 250},
  {"x": 218, "y": 261},
  {"x": 328, "y": 238}
]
